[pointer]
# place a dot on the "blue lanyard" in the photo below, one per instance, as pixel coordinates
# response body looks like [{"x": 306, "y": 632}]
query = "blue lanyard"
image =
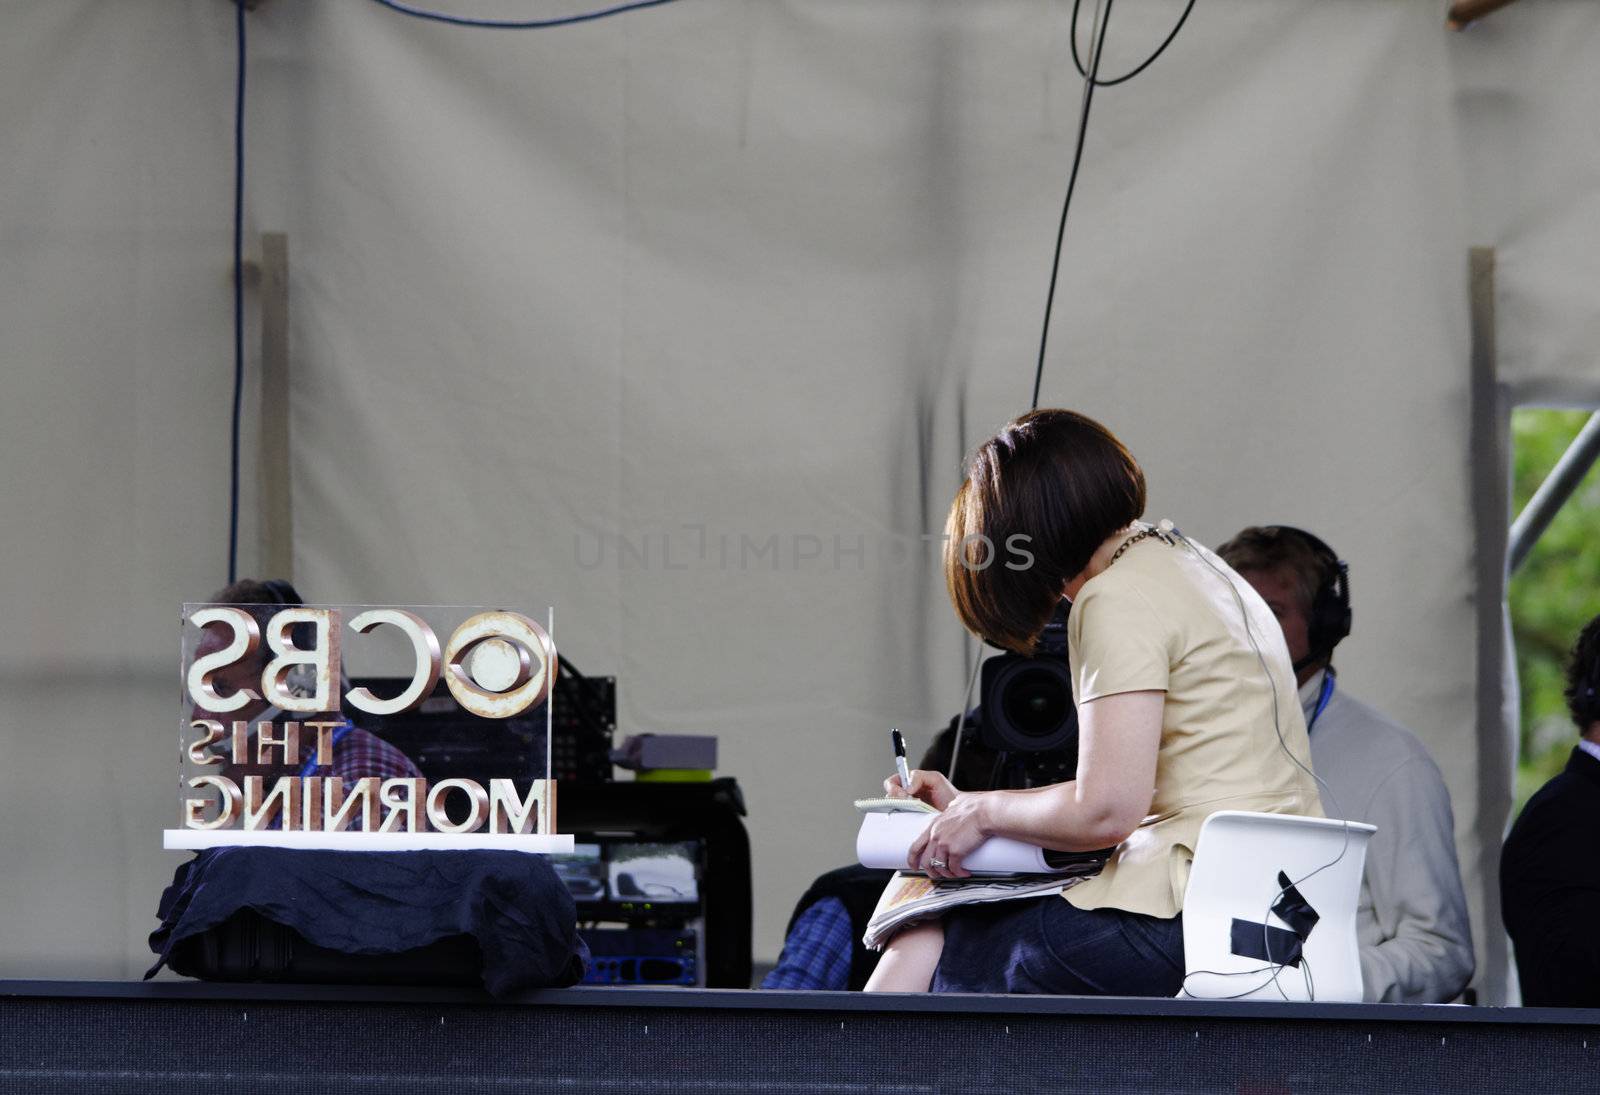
[
  {"x": 1322, "y": 700},
  {"x": 338, "y": 736}
]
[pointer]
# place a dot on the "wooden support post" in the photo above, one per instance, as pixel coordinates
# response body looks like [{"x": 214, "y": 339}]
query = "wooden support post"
[
  {"x": 277, "y": 512},
  {"x": 1464, "y": 12},
  {"x": 1489, "y": 458}
]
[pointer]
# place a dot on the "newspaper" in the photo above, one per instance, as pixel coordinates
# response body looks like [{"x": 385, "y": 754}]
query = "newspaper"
[{"x": 909, "y": 898}]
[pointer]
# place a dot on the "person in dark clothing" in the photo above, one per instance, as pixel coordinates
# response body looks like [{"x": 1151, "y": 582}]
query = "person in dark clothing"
[{"x": 1549, "y": 871}]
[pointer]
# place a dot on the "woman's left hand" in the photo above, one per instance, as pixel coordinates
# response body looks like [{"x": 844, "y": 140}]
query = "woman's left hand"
[{"x": 950, "y": 837}]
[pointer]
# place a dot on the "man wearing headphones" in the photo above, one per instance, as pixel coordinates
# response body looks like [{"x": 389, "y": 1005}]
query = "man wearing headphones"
[
  {"x": 1416, "y": 943},
  {"x": 356, "y": 753}
]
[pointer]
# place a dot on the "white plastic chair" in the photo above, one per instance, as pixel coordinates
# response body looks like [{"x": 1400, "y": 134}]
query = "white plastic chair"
[{"x": 1235, "y": 876}]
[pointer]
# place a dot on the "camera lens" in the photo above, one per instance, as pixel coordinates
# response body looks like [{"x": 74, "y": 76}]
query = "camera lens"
[
  {"x": 1027, "y": 707},
  {"x": 1036, "y": 702}
]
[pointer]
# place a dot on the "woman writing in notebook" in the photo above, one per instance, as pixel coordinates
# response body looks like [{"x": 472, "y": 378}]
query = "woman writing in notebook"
[{"x": 1186, "y": 705}]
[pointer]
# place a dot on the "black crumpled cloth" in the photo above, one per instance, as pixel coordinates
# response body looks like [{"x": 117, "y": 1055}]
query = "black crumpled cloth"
[{"x": 511, "y": 903}]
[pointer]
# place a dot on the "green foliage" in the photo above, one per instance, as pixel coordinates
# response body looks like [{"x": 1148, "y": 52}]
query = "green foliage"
[{"x": 1553, "y": 594}]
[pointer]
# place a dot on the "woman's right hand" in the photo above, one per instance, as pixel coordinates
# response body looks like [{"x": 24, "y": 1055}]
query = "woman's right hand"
[{"x": 930, "y": 787}]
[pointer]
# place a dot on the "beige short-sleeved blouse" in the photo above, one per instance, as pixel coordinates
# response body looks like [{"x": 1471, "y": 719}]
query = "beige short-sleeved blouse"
[{"x": 1160, "y": 618}]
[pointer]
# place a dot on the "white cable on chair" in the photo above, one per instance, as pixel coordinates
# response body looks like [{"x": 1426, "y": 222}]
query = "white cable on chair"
[{"x": 1277, "y": 725}]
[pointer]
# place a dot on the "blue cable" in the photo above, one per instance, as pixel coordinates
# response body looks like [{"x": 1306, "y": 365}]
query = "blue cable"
[
  {"x": 238, "y": 293},
  {"x": 517, "y": 24}
]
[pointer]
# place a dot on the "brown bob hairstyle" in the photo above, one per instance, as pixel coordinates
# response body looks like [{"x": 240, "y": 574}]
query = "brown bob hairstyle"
[{"x": 1040, "y": 496}]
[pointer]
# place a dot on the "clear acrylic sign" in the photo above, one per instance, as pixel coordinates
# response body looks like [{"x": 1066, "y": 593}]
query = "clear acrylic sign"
[{"x": 366, "y": 727}]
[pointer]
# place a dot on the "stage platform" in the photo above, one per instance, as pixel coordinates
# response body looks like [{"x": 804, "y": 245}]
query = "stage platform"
[{"x": 189, "y": 1036}]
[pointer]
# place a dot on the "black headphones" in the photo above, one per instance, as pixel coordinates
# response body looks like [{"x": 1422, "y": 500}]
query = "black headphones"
[
  {"x": 1329, "y": 620},
  {"x": 303, "y": 635},
  {"x": 282, "y": 592},
  {"x": 286, "y": 595}
]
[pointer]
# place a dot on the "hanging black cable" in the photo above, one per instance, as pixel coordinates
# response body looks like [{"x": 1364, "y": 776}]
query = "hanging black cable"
[
  {"x": 238, "y": 292},
  {"x": 517, "y": 24},
  {"x": 1097, "y": 48},
  {"x": 1146, "y": 63}
]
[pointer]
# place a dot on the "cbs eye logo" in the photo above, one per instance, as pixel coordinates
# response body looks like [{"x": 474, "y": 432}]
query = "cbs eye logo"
[{"x": 511, "y": 658}]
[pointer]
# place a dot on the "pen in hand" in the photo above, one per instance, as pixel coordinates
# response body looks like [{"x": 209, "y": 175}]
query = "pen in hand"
[{"x": 900, "y": 760}]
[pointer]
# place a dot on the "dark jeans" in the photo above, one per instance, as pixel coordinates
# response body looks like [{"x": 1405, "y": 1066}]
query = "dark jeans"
[{"x": 1048, "y": 945}]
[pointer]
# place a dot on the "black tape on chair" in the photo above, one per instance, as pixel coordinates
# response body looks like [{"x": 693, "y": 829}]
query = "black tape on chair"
[
  {"x": 1293, "y": 909},
  {"x": 1265, "y": 943}
]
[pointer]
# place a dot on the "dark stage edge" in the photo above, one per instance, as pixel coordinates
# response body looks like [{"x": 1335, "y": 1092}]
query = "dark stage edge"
[{"x": 58, "y": 1036}]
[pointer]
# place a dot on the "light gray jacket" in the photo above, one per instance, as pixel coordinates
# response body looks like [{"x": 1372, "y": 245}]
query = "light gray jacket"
[{"x": 1416, "y": 943}]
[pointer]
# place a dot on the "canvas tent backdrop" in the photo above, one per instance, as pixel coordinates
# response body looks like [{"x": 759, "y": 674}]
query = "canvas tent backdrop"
[{"x": 724, "y": 271}]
